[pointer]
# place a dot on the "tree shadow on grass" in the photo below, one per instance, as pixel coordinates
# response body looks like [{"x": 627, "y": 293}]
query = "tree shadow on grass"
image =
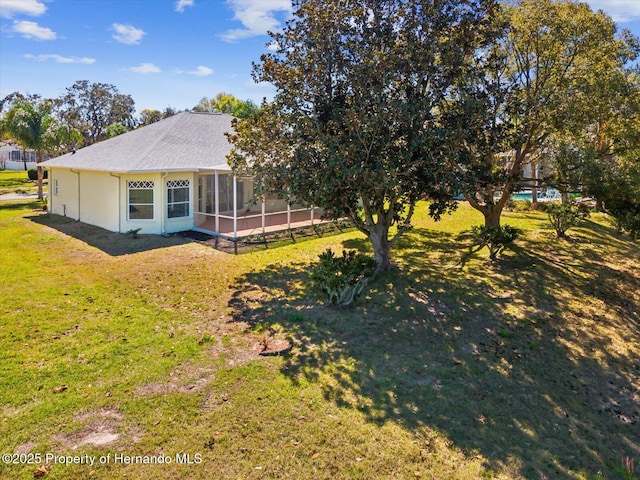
[
  {"x": 527, "y": 362},
  {"x": 20, "y": 205},
  {"x": 114, "y": 244}
]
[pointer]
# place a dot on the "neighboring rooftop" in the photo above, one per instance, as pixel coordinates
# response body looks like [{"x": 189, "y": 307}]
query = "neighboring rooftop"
[{"x": 187, "y": 141}]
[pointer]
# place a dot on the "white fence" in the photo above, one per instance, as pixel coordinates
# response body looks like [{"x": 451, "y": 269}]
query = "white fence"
[{"x": 11, "y": 165}]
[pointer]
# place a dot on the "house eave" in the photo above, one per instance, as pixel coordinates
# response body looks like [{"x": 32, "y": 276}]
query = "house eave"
[{"x": 219, "y": 168}]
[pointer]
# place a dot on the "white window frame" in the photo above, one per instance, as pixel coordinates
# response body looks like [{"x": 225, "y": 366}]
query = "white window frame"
[
  {"x": 140, "y": 185},
  {"x": 173, "y": 185}
]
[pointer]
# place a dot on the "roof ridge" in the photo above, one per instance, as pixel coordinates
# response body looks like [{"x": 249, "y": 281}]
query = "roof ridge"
[{"x": 203, "y": 113}]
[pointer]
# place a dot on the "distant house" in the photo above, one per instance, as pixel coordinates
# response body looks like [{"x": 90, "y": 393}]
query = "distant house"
[
  {"x": 167, "y": 177},
  {"x": 13, "y": 157}
]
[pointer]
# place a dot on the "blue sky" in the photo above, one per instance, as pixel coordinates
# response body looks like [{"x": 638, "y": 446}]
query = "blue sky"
[{"x": 161, "y": 52}]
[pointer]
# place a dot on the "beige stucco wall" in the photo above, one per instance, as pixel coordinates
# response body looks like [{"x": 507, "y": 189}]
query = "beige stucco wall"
[
  {"x": 101, "y": 199},
  {"x": 91, "y": 197},
  {"x": 63, "y": 193}
]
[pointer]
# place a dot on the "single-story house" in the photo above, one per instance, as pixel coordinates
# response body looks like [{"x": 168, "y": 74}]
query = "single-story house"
[{"x": 166, "y": 177}]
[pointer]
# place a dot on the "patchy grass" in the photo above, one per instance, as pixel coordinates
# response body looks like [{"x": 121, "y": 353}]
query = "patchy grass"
[
  {"x": 449, "y": 367},
  {"x": 17, "y": 181}
]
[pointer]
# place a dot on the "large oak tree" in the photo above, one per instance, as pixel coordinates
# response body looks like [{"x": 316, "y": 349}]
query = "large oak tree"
[
  {"x": 355, "y": 126},
  {"x": 92, "y": 107},
  {"x": 542, "y": 80}
]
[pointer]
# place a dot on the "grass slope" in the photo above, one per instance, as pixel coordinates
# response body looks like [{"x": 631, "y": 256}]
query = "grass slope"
[{"x": 449, "y": 367}]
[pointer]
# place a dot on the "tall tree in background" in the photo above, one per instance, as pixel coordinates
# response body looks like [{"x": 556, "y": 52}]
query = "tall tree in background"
[
  {"x": 227, "y": 103},
  {"x": 7, "y": 102},
  {"x": 169, "y": 112},
  {"x": 355, "y": 125},
  {"x": 114, "y": 130},
  {"x": 537, "y": 71},
  {"x": 92, "y": 107},
  {"x": 148, "y": 116}
]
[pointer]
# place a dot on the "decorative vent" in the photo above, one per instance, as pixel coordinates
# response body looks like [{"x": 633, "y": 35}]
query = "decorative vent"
[
  {"x": 140, "y": 184},
  {"x": 178, "y": 183}
]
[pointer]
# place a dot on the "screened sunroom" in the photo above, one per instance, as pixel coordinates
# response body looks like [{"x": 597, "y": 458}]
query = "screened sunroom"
[{"x": 227, "y": 206}]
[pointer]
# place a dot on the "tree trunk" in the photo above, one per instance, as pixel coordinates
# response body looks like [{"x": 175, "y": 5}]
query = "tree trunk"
[
  {"x": 378, "y": 235},
  {"x": 40, "y": 174},
  {"x": 599, "y": 206},
  {"x": 534, "y": 183},
  {"x": 491, "y": 211},
  {"x": 492, "y": 214}
]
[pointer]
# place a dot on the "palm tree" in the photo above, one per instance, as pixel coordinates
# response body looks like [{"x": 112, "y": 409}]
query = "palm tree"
[
  {"x": 62, "y": 138},
  {"x": 28, "y": 124}
]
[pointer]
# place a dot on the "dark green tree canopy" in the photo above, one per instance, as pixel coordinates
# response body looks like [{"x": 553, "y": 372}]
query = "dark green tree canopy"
[
  {"x": 355, "y": 126},
  {"x": 92, "y": 107},
  {"x": 556, "y": 69}
]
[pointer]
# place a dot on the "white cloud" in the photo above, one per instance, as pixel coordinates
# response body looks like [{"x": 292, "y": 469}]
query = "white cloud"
[
  {"x": 127, "y": 34},
  {"x": 60, "y": 58},
  {"x": 32, "y": 30},
  {"x": 9, "y": 8},
  {"x": 145, "y": 68},
  {"x": 182, "y": 4},
  {"x": 620, "y": 10},
  {"x": 201, "y": 71},
  {"x": 257, "y": 16}
]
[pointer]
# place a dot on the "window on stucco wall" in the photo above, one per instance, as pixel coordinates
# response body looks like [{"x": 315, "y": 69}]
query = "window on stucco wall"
[
  {"x": 178, "y": 198},
  {"x": 141, "y": 200}
]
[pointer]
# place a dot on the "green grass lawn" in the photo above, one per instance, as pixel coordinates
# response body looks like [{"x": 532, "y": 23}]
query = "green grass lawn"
[
  {"x": 449, "y": 367},
  {"x": 17, "y": 181}
]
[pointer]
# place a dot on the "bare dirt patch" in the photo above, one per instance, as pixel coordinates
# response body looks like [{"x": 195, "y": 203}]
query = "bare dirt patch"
[
  {"x": 100, "y": 427},
  {"x": 271, "y": 346},
  {"x": 185, "y": 378},
  {"x": 25, "y": 448}
]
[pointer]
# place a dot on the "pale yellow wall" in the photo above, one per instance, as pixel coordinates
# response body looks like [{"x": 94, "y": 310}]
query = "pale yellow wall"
[
  {"x": 99, "y": 200},
  {"x": 66, "y": 201}
]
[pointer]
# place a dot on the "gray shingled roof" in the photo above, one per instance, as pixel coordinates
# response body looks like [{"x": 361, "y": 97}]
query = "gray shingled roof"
[{"x": 186, "y": 141}]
